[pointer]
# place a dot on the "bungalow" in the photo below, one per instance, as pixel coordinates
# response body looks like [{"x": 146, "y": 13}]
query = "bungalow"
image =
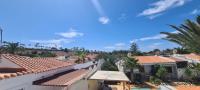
[
  {"x": 25, "y": 73},
  {"x": 148, "y": 65}
]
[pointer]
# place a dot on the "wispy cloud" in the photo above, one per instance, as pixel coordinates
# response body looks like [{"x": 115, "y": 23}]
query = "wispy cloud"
[
  {"x": 161, "y": 6},
  {"x": 116, "y": 46},
  {"x": 154, "y": 16},
  {"x": 66, "y": 38},
  {"x": 53, "y": 42},
  {"x": 195, "y": 11},
  {"x": 155, "y": 46},
  {"x": 155, "y": 37},
  {"x": 72, "y": 33},
  {"x": 122, "y": 17},
  {"x": 103, "y": 19}
]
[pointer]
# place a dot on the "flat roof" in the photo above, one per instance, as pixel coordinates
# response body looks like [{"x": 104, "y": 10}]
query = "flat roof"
[{"x": 109, "y": 76}]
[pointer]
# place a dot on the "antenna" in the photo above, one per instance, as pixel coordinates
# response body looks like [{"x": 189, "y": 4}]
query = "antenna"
[{"x": 1, "y": 32}]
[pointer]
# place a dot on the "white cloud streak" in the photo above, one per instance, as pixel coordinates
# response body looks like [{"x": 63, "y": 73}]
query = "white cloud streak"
[
  {"x": 161, "y": 6},
  {"x": 72, "y": 33},
  {"x": 103, "y": 19},
  {"x": 117, "y": 46},
  {"x": 195, "y": 11},
  {"x": 53, "y": 42},
  {"x": 156, "y": 37},
  {"x": 98, "y": 7}
]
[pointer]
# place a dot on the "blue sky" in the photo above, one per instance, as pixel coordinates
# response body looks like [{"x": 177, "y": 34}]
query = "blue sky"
[{"x": 94, "y": 24}]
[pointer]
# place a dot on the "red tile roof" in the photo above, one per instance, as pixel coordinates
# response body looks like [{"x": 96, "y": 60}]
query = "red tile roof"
[
  {"x": 34, "y": 65},
  {"x": 192, "y": 56},
  {"x": 153, "y": 59},
  {"x": 64, "y": 79}
]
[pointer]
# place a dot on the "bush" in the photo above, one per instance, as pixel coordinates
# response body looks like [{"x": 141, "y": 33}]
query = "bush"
[{"x": 155, "y": 80}]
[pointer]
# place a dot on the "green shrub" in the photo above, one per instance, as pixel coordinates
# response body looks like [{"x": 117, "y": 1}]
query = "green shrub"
[{"x": 155, "y": 80}]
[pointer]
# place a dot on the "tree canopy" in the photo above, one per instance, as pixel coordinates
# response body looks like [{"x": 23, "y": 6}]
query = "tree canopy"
[{"x": 187, "y": 35}]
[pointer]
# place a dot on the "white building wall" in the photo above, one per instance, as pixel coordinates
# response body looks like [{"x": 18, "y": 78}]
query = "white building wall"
[
  {"x": 61, "y": 57},
  {"x": 180, "y": 73}
]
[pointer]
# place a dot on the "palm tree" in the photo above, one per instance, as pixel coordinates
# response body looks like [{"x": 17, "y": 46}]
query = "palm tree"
[
  {"x": 12, "y": 48},
  {"x": 109, "y": 61},
  {"x": 81, "y": 56},
  {"x": 188, "y": 35},
  {"x": 109, "y": 65},
  {"x": 130, "y": 64}
]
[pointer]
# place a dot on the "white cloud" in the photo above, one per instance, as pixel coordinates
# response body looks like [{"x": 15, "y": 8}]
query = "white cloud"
[
  {"x": 104, "y": 20},
  {"x": 154, "y": 16},
  {"x": 117, "y": 46},
  {"x": 53, "y": 42},
  {"x": 157, "y": 44},
  {"x": 70, "y": 34},
  {"x": 156, "y": 37},
  {"x": 195, "y": 11},
  {"x": 109, "y": 47},
  {"x": 161, "y": 6},
  {"x": 120, "y": 44}
]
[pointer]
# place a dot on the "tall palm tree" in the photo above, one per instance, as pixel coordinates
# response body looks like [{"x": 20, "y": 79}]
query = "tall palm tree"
[
  {"x": 188, "y": 35},
  {"x": 130, "y": 64},
  {"x": 12, "y": 48}
]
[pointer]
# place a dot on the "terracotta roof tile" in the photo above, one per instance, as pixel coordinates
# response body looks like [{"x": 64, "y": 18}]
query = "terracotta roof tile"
[
  {"x": 192, "y": 56},
  {"x": 32, "y": 65},
  {"x": 153, "y": 59},
  {"x": 36, "y": 64}
]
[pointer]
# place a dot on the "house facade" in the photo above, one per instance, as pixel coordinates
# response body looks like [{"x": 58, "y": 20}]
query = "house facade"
[{"x": 148, "y": 65}]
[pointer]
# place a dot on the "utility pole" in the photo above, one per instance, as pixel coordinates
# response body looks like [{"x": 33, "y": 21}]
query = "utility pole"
[{"x": 1, "y": 32}]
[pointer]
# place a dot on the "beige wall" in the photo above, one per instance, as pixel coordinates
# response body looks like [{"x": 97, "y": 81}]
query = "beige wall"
[
  {"x": 79, "y": 85},
  {"x": 92, "y": 85}
]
